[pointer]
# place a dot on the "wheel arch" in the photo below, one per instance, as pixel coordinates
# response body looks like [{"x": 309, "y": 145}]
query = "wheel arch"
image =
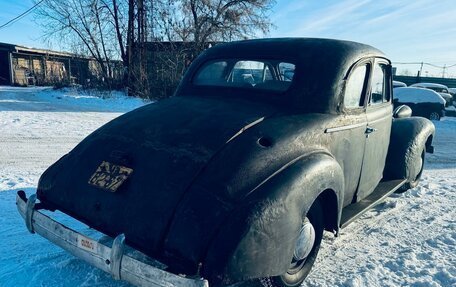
[
  {"x": 409, "y": 136},
  {"x": 429, "y": 147},
  {"x": 270, "y": 218},
  {"x": 329, "y": 204}
]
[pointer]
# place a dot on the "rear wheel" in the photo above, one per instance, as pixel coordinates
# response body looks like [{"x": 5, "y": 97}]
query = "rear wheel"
[{"x": 305, "y": 253}]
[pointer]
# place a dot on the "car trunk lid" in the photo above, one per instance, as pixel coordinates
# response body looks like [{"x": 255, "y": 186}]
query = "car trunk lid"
[{"x": 130, "y": 175}]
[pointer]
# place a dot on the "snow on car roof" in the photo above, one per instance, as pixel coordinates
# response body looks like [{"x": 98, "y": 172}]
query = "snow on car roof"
[
  {"x": 417, "y": 95},
  {"x": 433, "y": 85},
  {"x": 399, "y": 83}
]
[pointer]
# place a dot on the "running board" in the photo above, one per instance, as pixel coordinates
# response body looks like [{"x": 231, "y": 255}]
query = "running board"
[{"x": 381, "y": 192}]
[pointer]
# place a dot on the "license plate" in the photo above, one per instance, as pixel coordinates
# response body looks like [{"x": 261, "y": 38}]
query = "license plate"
[
  {"x": 87, "y": 244},
  {"x": 110, "y": 176}
]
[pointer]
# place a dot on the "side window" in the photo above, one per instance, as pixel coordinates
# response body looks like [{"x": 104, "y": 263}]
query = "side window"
[
  {"x": 286, "y": 71},
  {"x": 354, "y": 89},
  {"x": 379, "y": 86}
]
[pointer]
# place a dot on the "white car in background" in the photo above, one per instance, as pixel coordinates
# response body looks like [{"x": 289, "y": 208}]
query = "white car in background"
[
  {"x": 423, "y": 102},
  {"x": 441, "y": 89},
  {"x": 398, "y": 84},
  {"x": 452, "y": 92}
]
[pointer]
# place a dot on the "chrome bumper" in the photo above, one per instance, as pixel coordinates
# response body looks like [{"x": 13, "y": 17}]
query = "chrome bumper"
[{"x": 111, "y": 260}]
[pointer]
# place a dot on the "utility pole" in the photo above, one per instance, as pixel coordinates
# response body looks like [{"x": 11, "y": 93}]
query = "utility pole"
[
  {"x": 130, "y": 42},
  {"x": 136, "y": 38},
  {"x": 142, "y": 28},
  {"x": 443, "y": 71}
]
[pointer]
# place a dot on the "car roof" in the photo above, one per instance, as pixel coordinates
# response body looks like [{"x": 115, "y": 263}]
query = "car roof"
[
  {"x": 321, "y": 64},
  {"x": 400, "y": 83},
  {"x": 292, "y": 47},
  {"x": 433, "y": 85},
  {"x": 417, "y": 95}
]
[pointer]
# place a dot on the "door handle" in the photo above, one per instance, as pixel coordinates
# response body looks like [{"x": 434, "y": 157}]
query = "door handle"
[{"x": 370, "y": 130}]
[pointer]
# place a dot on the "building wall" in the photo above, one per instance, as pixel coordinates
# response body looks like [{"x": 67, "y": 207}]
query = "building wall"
[
  {"x": 42, "y": 67},
  {"x": 38, "y": 70}
]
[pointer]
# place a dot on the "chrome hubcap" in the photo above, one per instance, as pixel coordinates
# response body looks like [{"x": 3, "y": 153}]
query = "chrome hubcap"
[{"x": 305, "y": 242}]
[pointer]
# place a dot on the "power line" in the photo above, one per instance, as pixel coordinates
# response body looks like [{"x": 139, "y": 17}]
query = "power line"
[
  {"x": 21, "y": 15},
  {"x": 424, "y": 63}
]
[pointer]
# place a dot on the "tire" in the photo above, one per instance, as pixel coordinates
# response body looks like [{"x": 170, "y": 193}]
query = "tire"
[
  {"x": 299, "y": 269},
  {"x": 413, "y": 183},
  {"x": 434, "y": 116}
]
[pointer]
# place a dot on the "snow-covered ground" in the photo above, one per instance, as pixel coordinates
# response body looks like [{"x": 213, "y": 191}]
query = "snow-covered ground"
[{"x": 409, "y": 240}]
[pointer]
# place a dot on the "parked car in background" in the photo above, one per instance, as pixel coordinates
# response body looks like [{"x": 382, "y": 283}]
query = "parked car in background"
[
  {"x": 266, "y": 144},
  {"x": 453, "y": 93},
  {"x": 423, "y": 102},
  {"x": 441, "y": 89},
  {"x": 398, "y": 84}
]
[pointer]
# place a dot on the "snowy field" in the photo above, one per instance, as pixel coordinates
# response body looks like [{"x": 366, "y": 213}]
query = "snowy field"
[{"x": 409, "y": 240}]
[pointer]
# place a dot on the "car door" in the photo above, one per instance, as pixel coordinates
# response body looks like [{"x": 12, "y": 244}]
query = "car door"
[
  {"x": 349, "y": 128},
  {"x": 379, "y": 118}
]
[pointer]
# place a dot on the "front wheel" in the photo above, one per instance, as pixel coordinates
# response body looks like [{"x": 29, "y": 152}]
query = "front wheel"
[
  {"x": 414, "y": 181},
  {"x": 305, "y": 253}
]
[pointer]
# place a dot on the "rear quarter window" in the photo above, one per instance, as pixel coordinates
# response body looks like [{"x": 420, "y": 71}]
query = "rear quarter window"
[{"x": 354, "y": 89}]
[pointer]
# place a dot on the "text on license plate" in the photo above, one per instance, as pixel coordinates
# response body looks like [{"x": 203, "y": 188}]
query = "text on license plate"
[{"x": 87, "y": 244}]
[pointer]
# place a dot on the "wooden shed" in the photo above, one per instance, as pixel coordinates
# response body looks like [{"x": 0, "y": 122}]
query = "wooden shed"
[{"x": 29, "y": 66}]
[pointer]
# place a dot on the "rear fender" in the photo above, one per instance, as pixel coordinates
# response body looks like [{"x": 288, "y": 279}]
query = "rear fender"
[
  {"x": 259, "y": 239},
  {"x": 409, "y": 137}
]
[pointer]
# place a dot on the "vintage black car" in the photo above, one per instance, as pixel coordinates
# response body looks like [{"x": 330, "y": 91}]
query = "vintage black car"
[{"x": 266, "y": 144}]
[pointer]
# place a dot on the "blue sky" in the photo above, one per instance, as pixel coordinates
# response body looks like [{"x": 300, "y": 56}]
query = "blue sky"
[
  {"x": 24, "y": 32},
  {"x": 406, "y": 30}
]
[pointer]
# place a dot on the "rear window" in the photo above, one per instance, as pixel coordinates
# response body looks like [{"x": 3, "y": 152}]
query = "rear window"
[{"x": 252, "y": 74}]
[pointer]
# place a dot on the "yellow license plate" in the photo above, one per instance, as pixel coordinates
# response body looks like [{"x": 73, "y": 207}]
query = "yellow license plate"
[{"x": 110, "y": 176}]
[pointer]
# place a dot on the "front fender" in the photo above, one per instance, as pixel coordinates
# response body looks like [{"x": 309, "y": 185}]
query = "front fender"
[
  {"x": 409, "y": 137},
  {"x": 259, "y": 238}
]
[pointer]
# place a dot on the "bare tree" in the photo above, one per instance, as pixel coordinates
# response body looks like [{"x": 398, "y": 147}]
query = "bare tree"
[
  {"x": 187, "y": 27},
  {"x": 204, "y": 21},
  {"x": 93, "y": 27},
  {"x": 119, "y": 29}
]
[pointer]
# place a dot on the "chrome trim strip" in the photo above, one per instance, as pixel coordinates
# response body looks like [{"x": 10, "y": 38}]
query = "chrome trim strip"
[
  {"x": 344, "y": 128},
  {"x": 380, "y": 119},
  {"x": 246, "y": 127}
]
